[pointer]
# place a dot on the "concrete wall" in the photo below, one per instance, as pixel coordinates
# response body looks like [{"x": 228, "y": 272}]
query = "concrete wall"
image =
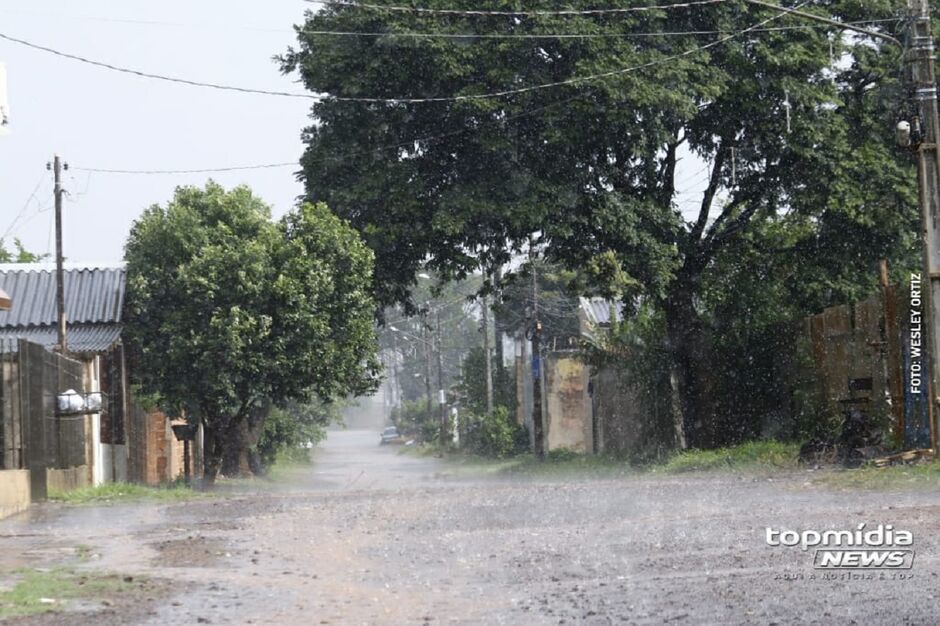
[
  {"x": 67, "y": 479},
  {"x": 14, "y": 492},
  {"x": 568, "y": 414}
]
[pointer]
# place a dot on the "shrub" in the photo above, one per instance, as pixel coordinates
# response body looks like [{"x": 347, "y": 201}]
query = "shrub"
[{"x": 495, "y": 434}]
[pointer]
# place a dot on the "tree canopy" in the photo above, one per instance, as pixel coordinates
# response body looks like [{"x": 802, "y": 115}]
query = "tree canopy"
[
  {"x": 228, "y": 312},
  {"x": 790, "y": 123}
]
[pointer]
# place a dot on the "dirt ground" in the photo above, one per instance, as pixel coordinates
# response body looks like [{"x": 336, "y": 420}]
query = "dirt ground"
[{"x": 371, "y": 536}]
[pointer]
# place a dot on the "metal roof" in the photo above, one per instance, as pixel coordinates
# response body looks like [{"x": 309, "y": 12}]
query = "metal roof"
[
  {"x": 597, "y": 310},
  {"x": 92, "y": 295},
  {"x": 81, "y": 338}
]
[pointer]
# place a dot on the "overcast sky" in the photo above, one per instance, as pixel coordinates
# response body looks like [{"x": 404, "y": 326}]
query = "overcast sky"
[{"x": 97, "y": 118}]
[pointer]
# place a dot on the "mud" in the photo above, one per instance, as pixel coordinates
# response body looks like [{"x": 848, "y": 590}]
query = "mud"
[{"x": 369, "y": 536}]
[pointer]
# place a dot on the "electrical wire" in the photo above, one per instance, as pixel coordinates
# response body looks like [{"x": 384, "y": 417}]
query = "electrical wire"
[
  {"x": 391, "y": 146},
  {"x": 206, "y": 170},
  {"x": 460, "y": 98},
  {"x": 628, "y": 35},
  {"x": 479, "y": 12},
  {"x": 26, "y": 204}
]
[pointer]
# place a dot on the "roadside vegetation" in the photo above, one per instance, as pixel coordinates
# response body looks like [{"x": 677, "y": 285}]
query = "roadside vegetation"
[
  {"x": 752, "y": 455},
  {"x": 43, "y": 590},
  {"x": 919, "y": 475},
  {"x": 114, "y": 493}
]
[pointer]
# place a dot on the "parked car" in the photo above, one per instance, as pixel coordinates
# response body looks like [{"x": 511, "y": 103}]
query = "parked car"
[{"x": 391, "y": 435}]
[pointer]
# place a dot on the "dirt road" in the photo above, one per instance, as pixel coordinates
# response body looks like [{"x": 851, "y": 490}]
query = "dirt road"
[{"x": 370, "y": 536}]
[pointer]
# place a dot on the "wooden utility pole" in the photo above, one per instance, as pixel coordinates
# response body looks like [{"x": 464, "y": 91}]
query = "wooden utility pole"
[
  {"x": 57, "y": 166},
  {"x": 442, "y": 394},
  {"x": 427, "y": 357},
  {"x": 487, "y": 361},
  {"x": 538, "y": 434},
  {"x": 923, "y": 81}
]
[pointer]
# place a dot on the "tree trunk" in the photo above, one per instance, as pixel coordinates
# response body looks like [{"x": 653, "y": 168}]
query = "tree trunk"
[
  {"x": 239, "y": 453},
  {"x": 688, "y": 367},
  {"x": 212, "y": 452}
]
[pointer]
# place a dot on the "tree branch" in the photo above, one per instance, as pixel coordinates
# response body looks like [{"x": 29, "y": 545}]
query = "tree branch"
[
  {"x": 709, "y": 195},
  {"x": 667, "y": 173}
]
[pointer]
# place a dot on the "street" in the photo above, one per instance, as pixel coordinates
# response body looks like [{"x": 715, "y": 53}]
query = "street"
[{"x": 369, "y": 535}]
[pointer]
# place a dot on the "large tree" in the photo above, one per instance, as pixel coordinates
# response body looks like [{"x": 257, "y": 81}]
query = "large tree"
[
  {"x": 229, "y": 313},
  {"x": 791, "y": 124}
]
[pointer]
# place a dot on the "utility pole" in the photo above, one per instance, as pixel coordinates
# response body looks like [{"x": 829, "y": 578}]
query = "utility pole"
[
  {"x": 442, "y": 395},
  {"x": 57, "y": 166},
  {"x": 923, "y": 81},
  {"x": 487, "y": 361},
  {"x": 427, "y": 357},
  {"x": 538, "y": 434}
]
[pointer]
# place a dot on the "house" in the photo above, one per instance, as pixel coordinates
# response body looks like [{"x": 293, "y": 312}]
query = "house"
[{"x": 124, "y": 440}]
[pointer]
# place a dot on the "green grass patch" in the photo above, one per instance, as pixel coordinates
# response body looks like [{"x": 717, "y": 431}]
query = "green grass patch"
[
  {"x": 41, "y": 590},
  {"x": 753, "y": 455},
  {"x": 919, "y": 475},
  {"x": 289, "y": 467},
  {"x": 125, "y": 492}
]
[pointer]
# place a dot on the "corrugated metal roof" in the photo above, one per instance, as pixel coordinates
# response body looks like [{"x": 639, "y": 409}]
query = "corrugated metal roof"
[
  {"x": 92, "y": 295},
  {"x": 597, "y": 310},
  {"x": 81, "y": 338}
]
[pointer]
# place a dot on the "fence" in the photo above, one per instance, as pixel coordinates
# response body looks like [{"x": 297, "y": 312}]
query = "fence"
[
  {"x": 863, "y": 355},
  {"x": 32, "y": 436}
]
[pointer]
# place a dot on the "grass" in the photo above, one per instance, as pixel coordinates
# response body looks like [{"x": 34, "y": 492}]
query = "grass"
[
  {"x": 750, "y": 456},
  {"x": 40, "y": 590},
  {"x": 753, "y": 455},
  {"x": 288, "y": 467},
  {"x": 126, "y": 492},
  {"x": 915, "y": 476}
]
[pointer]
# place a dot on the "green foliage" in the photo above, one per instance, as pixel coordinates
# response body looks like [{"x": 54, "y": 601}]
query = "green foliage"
[
  {"x": 922, "y": 475},
  {"x": 290, "y": 432},
  {"x": 750, "y": 455},
  {"x": 62, "y": 585},
  {"x": 115, "y": 493},
  {"x": 406, "y": 347},
  {"x": 226, "y": 310},
  {"x": 493, "y": 434},
  {"x": 19, "y": 254},
  {"x": 790, "y": 220},
  {"x": 558, "y": 302},
  {"x": 413, "y": 420},
  {"x": 472, "y": 384}
]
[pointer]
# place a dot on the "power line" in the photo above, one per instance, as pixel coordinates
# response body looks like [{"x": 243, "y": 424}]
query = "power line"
[
  {"x": 416, "y": 140},
  {"x": 170, "y": 79},
  {"x": 627, "y": 35},
  {"x": 206, "y": 170},
  {"x": 460, "y": 98},
  {"x": 438, "y": 35},
  {"x": 26, "y": 204},
  {"x": 477, "y": 12}
]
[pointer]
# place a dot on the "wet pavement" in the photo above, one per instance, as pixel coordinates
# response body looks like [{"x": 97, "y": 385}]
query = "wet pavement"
[{"x": 367, "y": 535}]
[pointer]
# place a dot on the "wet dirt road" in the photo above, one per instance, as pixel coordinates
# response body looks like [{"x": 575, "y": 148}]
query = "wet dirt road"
[{"x": 370, "y": 536}]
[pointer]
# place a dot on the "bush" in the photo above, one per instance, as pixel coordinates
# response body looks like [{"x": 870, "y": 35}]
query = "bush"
[
  {"x": 289, "y": 432},
  {"x": 413, "y": 420},
  {"x": 495, "y": 434}
]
